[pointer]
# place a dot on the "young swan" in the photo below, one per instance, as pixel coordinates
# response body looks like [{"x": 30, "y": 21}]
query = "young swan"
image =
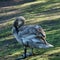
[{"x": 32, "y": 36}]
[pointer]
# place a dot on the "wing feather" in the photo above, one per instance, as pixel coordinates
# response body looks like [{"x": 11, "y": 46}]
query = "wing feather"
[{"x": 41, "y": 34}]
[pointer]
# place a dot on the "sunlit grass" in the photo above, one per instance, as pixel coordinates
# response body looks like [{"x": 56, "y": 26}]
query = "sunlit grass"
[
  {"x": 47, "y": 55},
  {"x": 28, "y": 6},
  {"x": 6, "y": 38},
  {"x": 43, "y": 12},
  {"x": 20, "y": 6}
]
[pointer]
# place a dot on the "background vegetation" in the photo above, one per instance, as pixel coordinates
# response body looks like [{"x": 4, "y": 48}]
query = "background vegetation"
[{"x": 43, "y": 12}]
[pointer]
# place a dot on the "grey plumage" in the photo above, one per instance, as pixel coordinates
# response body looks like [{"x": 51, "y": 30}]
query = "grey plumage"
[{"x": 32, "y": 36}]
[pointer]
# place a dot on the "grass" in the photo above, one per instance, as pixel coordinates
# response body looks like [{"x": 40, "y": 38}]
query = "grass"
[{"x": 43, "y": 12}]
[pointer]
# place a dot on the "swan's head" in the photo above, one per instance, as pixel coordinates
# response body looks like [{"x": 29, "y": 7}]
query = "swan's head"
[{"x": 18, "y": 22}]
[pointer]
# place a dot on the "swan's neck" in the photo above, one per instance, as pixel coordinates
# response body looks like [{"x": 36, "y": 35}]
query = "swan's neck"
[
  {"x": 18, "y": 23},
  {"x": 16, "y": 35},
  {"x": 15, "y": 32}
]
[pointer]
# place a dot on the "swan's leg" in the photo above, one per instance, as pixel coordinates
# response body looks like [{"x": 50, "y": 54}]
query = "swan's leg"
[
  {"x": 32, "y": 51},
  {"x": 25, "y": 51}
]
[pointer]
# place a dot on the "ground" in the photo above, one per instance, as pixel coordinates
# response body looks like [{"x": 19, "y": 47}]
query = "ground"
[{"x": 43, "y": 12}]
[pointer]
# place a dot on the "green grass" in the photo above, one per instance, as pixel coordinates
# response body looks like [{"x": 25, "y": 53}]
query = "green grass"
[{"x": 43, "y": 12}]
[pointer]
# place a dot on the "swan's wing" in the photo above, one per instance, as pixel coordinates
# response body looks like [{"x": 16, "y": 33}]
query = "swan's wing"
[
  {"x": 23, "y": 31},
  {"x": 38, "y": 43},
  {"x": 26, "y": 30},
  {"x": 31, "y": 30},
  {"x": 35, "y": 42},
  {"x": 40, "y": 33},
  {"x": 40, "y": 30}
]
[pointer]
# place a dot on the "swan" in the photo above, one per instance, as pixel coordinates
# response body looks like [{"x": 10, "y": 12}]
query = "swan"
[{"x": 32, "y": 36}]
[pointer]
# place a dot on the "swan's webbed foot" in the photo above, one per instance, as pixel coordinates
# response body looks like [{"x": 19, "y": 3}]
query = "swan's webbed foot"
[
  {"x": 20, "y": 58},
  {"x": 23, "y": 56},
  {"x": 27, "y": 55}
]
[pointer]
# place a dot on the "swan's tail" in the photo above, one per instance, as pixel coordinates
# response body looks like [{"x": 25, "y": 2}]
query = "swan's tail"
[{"x": 45, "y": 45}]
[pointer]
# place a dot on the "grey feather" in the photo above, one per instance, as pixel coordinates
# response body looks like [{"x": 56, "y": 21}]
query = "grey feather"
[{"x": 27, "y": 34}]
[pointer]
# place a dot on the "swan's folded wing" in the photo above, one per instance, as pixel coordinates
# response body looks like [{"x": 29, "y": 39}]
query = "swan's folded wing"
[
  {"x": 40, "y": 44},
  {"x": 35, "y": 42},
  {"x": 40, "y": 31}
]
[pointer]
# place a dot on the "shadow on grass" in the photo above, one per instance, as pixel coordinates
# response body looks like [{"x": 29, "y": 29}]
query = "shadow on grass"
[
  {"x": 8, "y": 47},
  {"x": 9, "y": 42},
  {"x": 42, "y": 7},
  {"x": 54, "y": 1},
  {"x": 35, "y": 8},
  {"x": 55, "y": 56},
  {"x": 6, "y": 3}
]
